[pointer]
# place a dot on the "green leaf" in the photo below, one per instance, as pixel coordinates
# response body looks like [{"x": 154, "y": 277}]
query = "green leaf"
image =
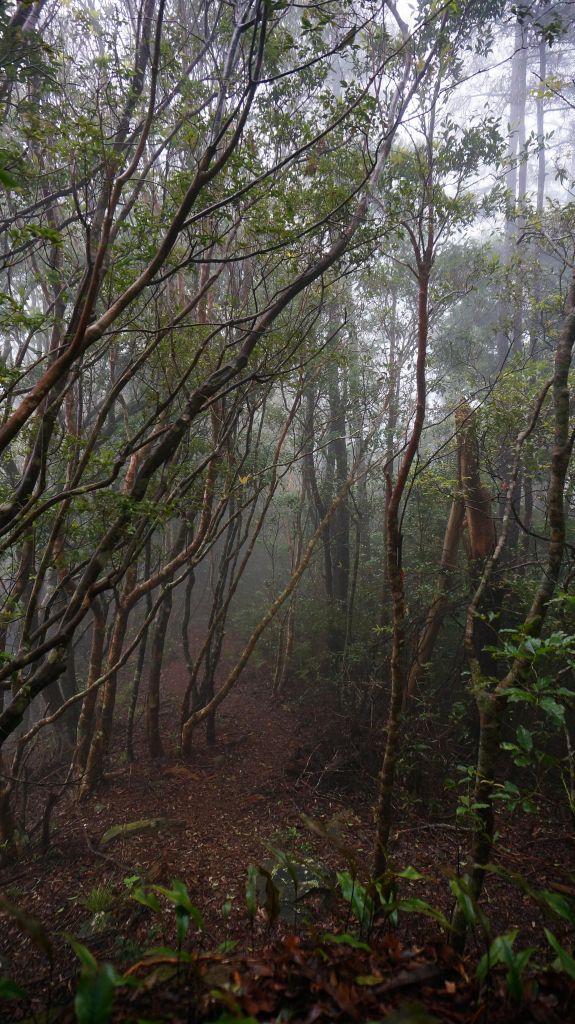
[
  {"x": 509, "y": 787},
  {"x": 286, "y": 861},
  {"x": 465, "y": 902},
  {"x": 559, "y": 905},
  {"x": 357, "y": 896},
  {"x": 86, "y": 958},
  {"x": 147, "y": 899},
  {"x": 132, "y": 828},
  {"x": 251, "y": 891},
  {"x": 345, "y": 940},
  {"x": 525, "y": 739},
  {"x": 10, "y": 990},
  {"x": 171, "y": 953},
  {"x": 513, "y": 977},
  {"x": 553, "y": 709},
  {"x": 496, "y": 954},
  {"x": 95, "y": 996},
  {"x": 30, "y": 925},
  {"x": 227, "y": 946},
  {"x": 523, "y": 958},
  {"x": 182, "y": 923},
  {"x": 7, "y": 179},
  {"x": 417, "y": 906},
  {"x": 412, "y": 873},
  {"x": 565, "y": 959},
  {"x": 501, "y": 952},
  {"x": 472, "y": 912},
  {"x": 177, "y": 894},
  {"x": 179, "y": 897}
]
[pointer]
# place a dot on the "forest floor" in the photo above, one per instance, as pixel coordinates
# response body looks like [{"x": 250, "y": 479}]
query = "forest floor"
[{"x": 219, "y": 811}]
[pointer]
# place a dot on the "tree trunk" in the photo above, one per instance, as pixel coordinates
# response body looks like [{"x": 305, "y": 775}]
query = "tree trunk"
[
  {"x": 510, "y": 313},
  {"x": 139, "y": 669},
  {"x": 102, "y": 735},
  {"x": 315, "y": 496},
  {"x": 86, "y": 718},
  {"x": 438, "y": 607},
  {"x": 491, "y": 700},
  {"x": 155, "y": 746},
  {"x": 395, "y": 577},
  {"x": 480, "y": 529},
  {"x": 337, "y": 449}
]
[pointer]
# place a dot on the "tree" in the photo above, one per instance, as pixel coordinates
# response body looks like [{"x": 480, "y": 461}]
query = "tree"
[{"x": 140, "y": 196}]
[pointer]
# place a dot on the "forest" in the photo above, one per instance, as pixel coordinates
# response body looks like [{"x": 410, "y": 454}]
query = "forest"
[{"x": 287, "y": 500}]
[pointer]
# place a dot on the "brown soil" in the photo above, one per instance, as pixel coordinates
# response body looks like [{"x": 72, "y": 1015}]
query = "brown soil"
[{"x": 226, "y": 804}]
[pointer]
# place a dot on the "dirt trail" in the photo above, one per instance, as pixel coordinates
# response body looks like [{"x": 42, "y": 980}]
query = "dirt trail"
[{"x": 228, "y": 801}]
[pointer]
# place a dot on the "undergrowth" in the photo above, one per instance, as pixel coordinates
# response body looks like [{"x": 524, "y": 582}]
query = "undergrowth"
[{"x": 294, "y": 888}]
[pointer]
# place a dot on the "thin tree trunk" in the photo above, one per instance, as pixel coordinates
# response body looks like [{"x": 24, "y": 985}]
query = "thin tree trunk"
[
  {"x": 337, "y": 449},
  {"x": 353, "y": 587},
  {"x": 438, "y": 607},
  {"x": 155, "y": 746},
  {"x": 138, "y": 671},
  {"x": 317, "y": 501},
  {"x": 395, "y": 494},
  {"x": 480, "y": 529},
  {"x": 390, "y": 431},
  {"x": 510, "y": 312},
  {"x": 102, "y": 735},
  {"x": 234, "y": 674},
  {"x": 288, "y": 626}
]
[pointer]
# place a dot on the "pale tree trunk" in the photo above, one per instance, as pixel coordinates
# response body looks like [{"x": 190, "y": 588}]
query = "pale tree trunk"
[
  {"x": 540, "y": 112},
  {"x": 316, "y": 500},
  {"x": 395, "y": 494},
  {"x": 510, "y": 313},
  {"x": 392, "y": 402},
  {"x": 510, "y": 336},
  {"x": 537, "y": 286},
  {"x": 480, "y": 527},
  {"x": 337, "y": 450}
]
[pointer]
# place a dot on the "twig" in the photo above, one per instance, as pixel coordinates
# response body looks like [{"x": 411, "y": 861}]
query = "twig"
[{"x": 103, "y": 856}]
